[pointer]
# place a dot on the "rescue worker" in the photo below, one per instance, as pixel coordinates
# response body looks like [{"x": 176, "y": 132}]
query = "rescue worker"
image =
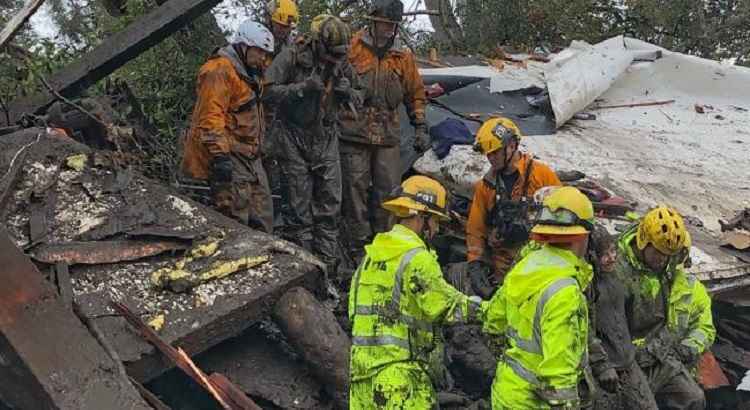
[
  {"x": 498, "y": 224},
  {"x": 227, "y": 128},
  {"x": 370, "y": 154},
  {"x": 542, "y": 312},
  {"x": 282, "y": 16},
  {"x": 399, "y": 300},
  {"x": 307, "y": 84},
  {"x": 668, "y": 310}
]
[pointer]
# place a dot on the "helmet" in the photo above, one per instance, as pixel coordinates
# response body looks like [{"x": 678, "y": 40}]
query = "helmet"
[
  {"x": 254, "y": 34},
  {"x": 389, "y": 11},
  {"x": 333, "y": 33},
  {"x": 566, "y": 211},
  {"x": 283, "y": 12},
  {"x": 495, "y": 133},
  {"x": 664, "y": 228},
  {"x": 542, "y": 193},
  {"x": 418, "y": 194}
]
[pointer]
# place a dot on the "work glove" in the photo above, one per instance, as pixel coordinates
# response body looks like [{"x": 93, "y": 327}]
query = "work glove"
[
  {"x": 313, "y": 84},
  {"x": 421, "y": 138},
  {"x": 479, "y": 274},
  {"x": 220, "y": 181},
  {"x": 609, "y": 380},
  {"x": 687, "y": 355}
]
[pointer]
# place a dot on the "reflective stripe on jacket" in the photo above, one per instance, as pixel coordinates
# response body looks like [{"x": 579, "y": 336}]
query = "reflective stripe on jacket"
[
  {"x": 227, "y": 117},
  {"x": 689, "y": 316},
  {"x": 397, "y": 297},
  {"x": 542, "y": 312}
]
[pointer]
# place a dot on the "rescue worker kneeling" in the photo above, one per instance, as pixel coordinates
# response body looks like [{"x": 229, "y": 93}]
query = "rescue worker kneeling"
[
  {"x": 398, "y": 300},
  {"x": 498, "y": 222},
  {"x": 542, "y": 311},
  {"x": 668, "y": 310}
]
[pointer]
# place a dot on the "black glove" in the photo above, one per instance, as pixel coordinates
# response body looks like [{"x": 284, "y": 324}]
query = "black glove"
[
  {"x": 479, "y": 276},
  {"x": 221, "y": 169},
  {"x": 421, "y": 138},
  {"x": 609, "y": 380}
]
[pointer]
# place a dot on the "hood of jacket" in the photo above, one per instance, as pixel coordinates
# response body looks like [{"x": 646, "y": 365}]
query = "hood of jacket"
[
  {"x": 540, "y": 268},
  {"x": 394, "y": 243}
]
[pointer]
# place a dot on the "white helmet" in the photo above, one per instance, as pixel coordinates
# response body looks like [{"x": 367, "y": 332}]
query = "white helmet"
[{"x": 254, "y": 34}]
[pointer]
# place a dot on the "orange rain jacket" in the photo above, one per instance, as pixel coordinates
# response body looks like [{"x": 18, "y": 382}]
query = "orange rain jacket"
[
  {"x": 228, "y": 116},
  {"x": 477, "y": 237},
  {"x": 387, "y": 83}
]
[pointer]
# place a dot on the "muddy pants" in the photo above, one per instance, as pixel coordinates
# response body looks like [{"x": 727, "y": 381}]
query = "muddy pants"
[
  {"x": 402, "y": 386},
  {"x": 370, "y": 172},
  {"x": 252, "y": 196},
  {"x": 675, "y": 388},
  {"x": 310, "y": 165},
  {"x": 634, "y": 394}
]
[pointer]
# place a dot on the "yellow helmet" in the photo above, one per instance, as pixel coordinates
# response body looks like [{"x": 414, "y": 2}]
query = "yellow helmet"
[
  {"x": 494, "y": 133},
  {"x": 418, "y": 194},
  {"x": 333, "y": 33},
  {"x": 566, "y": 211},
  {"x": 283, "y": 12},
  {"x": 664, "y": 228}
]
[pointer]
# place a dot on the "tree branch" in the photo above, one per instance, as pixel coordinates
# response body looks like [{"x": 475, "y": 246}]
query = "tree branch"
[{"x": 419, "y": 12}]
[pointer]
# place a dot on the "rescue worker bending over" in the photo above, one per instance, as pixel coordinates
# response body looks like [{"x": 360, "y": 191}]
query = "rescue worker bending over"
[
  {"x": 542, "y": 312},
  {"x": 398, "y": 301},
  {"x": 307, "y": 84},
  {"x": 370, "y": 139},
  {"x": 498, "y": 219},
  {"x": 228, "y": 127},
  {"x": 281, "y": 17},
  {"x": 668, "y": 310}
]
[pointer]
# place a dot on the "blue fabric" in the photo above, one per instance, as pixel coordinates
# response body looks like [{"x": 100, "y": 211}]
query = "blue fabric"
[{"x": 448, "y": 133}]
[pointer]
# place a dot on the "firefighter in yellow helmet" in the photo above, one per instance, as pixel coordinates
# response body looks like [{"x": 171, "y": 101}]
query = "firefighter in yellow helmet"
[
  {"x": 542, "y": 311},
  {"x": 498, "y": 224},
  {"x": 308, "y": 84},
  {"x": 398, "y": 302},
  {"x": 281, "y": 18},
  {"x": 668, "y": 309}
]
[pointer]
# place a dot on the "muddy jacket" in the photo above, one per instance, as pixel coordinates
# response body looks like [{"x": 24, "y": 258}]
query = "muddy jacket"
[
  {"x": 398, "y": 298},
  {"x": 542, "y": 312},
  {"x": 478, "y": 231},
  {"x": 227, "y": 117},
  {"x": 310, "y": 111},
  {"x": 388, "y": 83},
  {"x": 683, "y": 304}
]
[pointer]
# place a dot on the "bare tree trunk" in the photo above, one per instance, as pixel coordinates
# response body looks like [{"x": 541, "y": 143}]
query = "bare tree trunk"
[{"x": 447, "y": 29}]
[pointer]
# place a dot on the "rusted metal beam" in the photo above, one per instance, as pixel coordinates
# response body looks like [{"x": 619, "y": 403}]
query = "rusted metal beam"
[
  {"x": 15, "y": 24},
  {"x": 114, "y": 52},
  {"x": 50, "y": 360}
]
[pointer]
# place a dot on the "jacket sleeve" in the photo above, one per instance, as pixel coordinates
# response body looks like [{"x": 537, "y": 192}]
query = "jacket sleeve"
[
  {"x": 496, "y": 321},
  {"x": 564, "y": 330},
  {"x": 543, "y": 176},
  {"x": 214, "y": 91},
  {"x": 414, "y": 95},
  {"x": 476, "y": 226},
  {"x": 278, "y": 87},
  {"x": 438, "y": 301},
  {"x": 702, "y": 331}
]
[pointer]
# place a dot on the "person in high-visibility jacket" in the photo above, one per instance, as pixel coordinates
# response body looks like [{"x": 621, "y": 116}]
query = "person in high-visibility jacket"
[
  {"x": 398, "y": 301},
  {"x": 668, "y": 309},
  {"x": 542, "y": 312}
]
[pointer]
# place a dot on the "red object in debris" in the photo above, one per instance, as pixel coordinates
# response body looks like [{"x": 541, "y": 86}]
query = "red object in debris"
[
  {"x": 434, "y": 90},
  {"x": 710, "y": 375}
]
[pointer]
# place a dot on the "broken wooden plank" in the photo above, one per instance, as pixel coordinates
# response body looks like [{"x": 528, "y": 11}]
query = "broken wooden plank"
[
  {"x": 64, "y": 286},
  {"x": 113, "y": 53},
  {"x": 98, "y": 252},
  {"x": 50, "y": 360},
  {"x": 15, "y": 24}
]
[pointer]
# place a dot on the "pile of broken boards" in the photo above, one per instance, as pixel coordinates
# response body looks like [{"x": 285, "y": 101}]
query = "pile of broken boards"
[{"x": 100, "y": 232}]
